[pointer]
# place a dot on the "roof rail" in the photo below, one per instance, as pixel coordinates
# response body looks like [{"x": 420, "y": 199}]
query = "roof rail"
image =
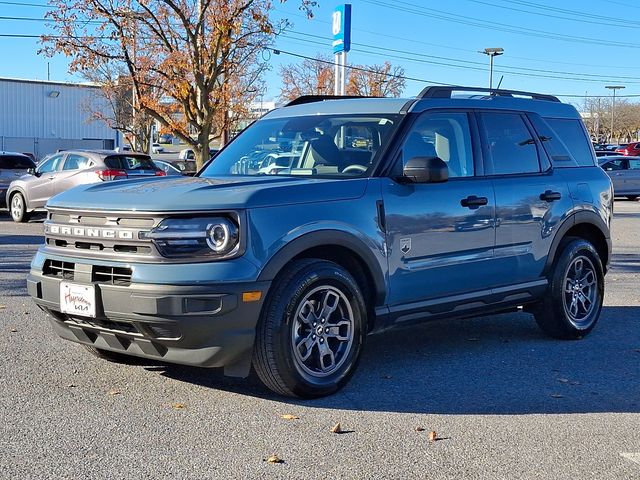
[
  {"x": 319, "y": 98},
  {"x": 447, "y": 91}
]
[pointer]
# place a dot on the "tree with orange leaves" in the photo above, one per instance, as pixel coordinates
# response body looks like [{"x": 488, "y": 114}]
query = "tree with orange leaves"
[
  {"x": 202, "y": 55},
  {"x": 316, "y": 77}
]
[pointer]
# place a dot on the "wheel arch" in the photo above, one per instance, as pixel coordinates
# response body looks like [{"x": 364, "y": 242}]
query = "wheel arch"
[
  {"x": 18, "y": 189},
  {"x": 587, "y": 225},
  {"x": 342, "y": 248}
]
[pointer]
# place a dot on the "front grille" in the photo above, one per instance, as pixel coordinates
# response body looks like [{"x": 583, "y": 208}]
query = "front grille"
[
  {"x": 59, "y": 269},
  {"x": 112, "y": 275},
  {"x": 89, "y": 234}
]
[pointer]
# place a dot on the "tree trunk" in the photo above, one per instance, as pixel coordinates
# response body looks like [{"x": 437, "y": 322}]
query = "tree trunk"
[{"x": 201, "y": 152}]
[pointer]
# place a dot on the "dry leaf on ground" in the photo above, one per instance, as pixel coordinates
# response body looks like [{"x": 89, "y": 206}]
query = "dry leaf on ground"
[
  {"x": 274, "y": 459},
  {"x": 433, "y": 436},
  {"x": 419, "y": 429},
  {"x": 337, "y": 428},
  {"x": 71, "y": 385},
  {"x": 13, "y": 329},
  {"x": 113, "y": 392},
  {"x": 178, "y": 406},
  {"x": 288, "y": 416},
  {"x": 2, "y": 306}
]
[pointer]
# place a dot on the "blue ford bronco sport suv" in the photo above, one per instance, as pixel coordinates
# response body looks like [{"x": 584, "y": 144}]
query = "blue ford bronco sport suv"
[{"x": 330, "y": 219}]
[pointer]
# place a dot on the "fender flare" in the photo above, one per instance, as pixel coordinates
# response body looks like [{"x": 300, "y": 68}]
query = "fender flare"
[
  {"x": 328, "y": 238},
  {"x": 578, "y": 218}
]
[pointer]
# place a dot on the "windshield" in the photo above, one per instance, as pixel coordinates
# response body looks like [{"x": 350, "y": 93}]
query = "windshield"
[{"x": 334, "y": 145}]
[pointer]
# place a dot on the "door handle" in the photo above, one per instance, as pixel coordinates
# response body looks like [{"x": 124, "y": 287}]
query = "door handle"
[
  {"x": 550, "y": 196},
  {"x": 473, "y": 202}
]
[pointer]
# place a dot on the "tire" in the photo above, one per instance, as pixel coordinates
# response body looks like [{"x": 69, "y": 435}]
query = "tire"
[
  {"x": 18, "y": 208},
  {"x": 571, "y": 307},
  {"x": 294, "y": 315},
  {"x": 110, "y": 356},
  {"x": 632, "y": 197}
]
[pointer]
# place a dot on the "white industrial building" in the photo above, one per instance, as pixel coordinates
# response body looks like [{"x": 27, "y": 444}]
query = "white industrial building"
[{"x": 42, "y": 117}]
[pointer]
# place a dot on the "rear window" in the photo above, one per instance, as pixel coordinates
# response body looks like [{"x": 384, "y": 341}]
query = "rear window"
[
  {"x": 573, "y": 136},
  {"x": 130, "y": 162},
  {"x": 17, "y": 162}
]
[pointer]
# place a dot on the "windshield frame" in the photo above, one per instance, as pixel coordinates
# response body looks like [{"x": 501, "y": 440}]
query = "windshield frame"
[{"x": 397, "y": 119}]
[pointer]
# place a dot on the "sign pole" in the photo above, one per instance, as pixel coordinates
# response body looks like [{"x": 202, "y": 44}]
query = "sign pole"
[{"x": 341, "y": 29}]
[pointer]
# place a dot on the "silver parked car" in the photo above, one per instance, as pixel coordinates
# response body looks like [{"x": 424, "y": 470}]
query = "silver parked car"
[
  {"x": 625, "y": 175},
  {"x": 12, "y": 166},
  {"x": 64, "y": 170}
]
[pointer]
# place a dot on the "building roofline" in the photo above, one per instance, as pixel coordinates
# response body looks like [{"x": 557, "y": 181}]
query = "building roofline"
[{"x": 50, "y": 82}]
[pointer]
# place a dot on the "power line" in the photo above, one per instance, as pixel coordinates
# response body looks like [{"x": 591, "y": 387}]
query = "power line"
[
  {"x": 486, "y": 24},
  {"x": 449, "y": 47},
  {"x": 481, "y": 66}
]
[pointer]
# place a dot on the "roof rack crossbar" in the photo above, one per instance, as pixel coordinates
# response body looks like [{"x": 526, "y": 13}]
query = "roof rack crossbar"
[
  {"x": 446, "y": 92},
  {"x": 319, "y": 98}
]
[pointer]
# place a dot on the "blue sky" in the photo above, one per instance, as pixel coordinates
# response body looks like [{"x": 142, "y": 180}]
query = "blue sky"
[{"x": 573, "y": 49}]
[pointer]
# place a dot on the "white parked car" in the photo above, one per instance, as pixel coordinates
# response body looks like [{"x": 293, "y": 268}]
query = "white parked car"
[{"x": 156, "y": 148}]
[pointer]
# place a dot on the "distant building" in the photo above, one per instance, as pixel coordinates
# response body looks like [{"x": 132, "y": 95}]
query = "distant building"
[{"x": 42, "y": 117}]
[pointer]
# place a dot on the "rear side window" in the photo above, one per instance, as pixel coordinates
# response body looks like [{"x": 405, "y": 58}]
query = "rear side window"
[
  {"x": 634, "y": 164},
  {"x": 511, "y": 144},
  {"x": 571, "y": 133},
  {"x": 16, "y": 162},
  {"x": 75, "y": 162},
  {"x": 124, "y": 162}
]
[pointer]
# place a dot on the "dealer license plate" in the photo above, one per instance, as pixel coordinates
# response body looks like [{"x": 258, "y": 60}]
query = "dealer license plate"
[{"x": 78, "y": 299}]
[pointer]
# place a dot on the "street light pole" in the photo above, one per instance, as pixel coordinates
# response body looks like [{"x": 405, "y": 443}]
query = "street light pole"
[
  {"x": 613, "y": 105},
  {"x": 491, "y": 52}
]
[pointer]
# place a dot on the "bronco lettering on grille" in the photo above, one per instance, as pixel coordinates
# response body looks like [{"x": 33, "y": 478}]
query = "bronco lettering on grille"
[{"x": 89, "y": 232}]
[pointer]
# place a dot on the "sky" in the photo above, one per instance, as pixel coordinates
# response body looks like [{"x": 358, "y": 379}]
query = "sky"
[{"x": 569, "y": 48}]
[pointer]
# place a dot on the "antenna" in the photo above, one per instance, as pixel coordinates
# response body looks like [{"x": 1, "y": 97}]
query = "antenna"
[{"x": 500, "y": 82}]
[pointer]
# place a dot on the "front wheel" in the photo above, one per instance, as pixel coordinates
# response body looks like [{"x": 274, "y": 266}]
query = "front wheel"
[
  {"x": 573, "y": 301},
  {"x": 18, "y": 208},
  {"x": 311, "y": 331},
  {"x": 632, "y": 197}
]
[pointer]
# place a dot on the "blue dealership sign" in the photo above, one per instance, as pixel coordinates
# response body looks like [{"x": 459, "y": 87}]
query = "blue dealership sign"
[{"x": 341, "y": 26}]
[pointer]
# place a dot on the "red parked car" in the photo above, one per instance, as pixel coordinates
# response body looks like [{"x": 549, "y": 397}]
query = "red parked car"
[{"x": 629, "y": 149}]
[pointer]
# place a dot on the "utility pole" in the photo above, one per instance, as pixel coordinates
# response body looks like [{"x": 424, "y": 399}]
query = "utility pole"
[
  {"x": 491, "y": 52},
  {"x": 613, "y": 107}
]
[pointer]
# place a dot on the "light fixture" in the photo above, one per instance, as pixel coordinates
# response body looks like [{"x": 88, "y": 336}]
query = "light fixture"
[{"x": 54, "y": 94}]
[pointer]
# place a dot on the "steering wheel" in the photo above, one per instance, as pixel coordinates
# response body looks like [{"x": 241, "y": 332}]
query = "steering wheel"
[{"x": 355, "y": 168}]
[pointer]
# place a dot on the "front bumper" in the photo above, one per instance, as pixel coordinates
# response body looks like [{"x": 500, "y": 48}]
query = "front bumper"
[{"x": 200, "y": 325}]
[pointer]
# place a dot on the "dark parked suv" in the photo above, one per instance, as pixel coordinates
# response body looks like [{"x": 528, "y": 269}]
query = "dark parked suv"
[{"x": 453, "y": 204}]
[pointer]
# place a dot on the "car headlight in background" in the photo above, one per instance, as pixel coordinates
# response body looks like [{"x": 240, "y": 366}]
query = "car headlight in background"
[{"x": 195, "y": 237}]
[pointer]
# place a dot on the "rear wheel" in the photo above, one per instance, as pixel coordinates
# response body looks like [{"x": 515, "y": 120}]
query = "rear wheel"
[
  {"x": 573, "y": 301},
  {"x": 18, "y": 208},
  {"x": 311, "y": 331}
]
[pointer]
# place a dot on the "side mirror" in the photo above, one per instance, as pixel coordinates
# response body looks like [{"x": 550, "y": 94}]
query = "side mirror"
[
  {"x": 425, "y": 170},
  {"x": 31, "y": 171}
]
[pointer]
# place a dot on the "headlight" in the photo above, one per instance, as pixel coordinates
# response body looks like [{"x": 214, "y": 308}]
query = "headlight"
[{"x": 195, "y": 237}]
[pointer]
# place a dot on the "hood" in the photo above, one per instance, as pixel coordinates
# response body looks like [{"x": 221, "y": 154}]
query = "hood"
[{"x": 195, "y": 193}]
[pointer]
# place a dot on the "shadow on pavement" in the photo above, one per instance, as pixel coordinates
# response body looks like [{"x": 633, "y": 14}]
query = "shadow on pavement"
[
  {"x": 489, "y": 365},
  {"x": 22, "y": 239}
]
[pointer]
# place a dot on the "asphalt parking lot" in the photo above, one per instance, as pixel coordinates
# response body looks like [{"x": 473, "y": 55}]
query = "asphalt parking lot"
[{"x": 505, "y": 401}]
